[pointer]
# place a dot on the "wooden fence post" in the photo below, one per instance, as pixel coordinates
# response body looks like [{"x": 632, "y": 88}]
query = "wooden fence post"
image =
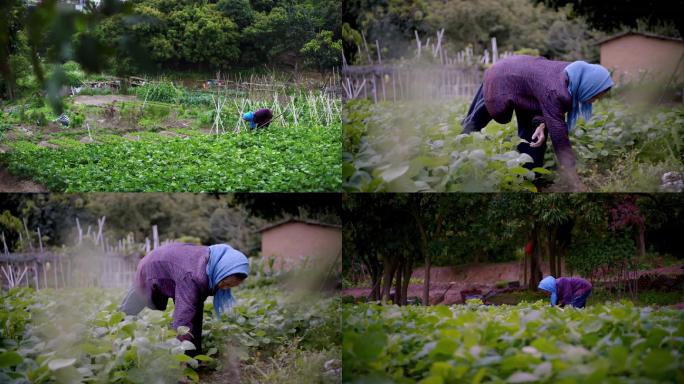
[{"x": 155, "y": 237}]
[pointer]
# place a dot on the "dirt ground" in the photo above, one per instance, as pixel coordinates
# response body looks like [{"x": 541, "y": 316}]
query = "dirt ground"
[
  {"x": 11, "y": 183},
  {"x": 446, "y": 283},
  {"x": 98, "y": 100}
]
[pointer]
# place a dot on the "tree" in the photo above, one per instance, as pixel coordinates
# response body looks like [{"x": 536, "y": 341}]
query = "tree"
[
  {"x": 625, "y": 214},
  {"x": 609, "y": 15},
  {"x": 200, "y": 34},
  {"x": 276, "y": 205},
  {"x": 11, "y": 22},
  {"x": 322, "y": 52},
  {"x": 239, "y": 11}
]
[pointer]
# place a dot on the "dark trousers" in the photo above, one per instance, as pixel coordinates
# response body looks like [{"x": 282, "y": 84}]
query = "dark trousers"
[
  {"x": 581, "y": 300},
  {"x": 478, "y": 117}
]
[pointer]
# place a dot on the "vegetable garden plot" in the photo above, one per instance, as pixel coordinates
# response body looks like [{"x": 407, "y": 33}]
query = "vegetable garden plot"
[
  {"x": 70, "y": 336},
  {"x": 292, "y": 159},
  {"x": 409, "y": 147},
  {"x": 607, "y": 343},
  {"x": 152, "y": 145}
]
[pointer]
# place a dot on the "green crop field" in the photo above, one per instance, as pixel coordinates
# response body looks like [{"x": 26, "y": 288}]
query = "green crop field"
[
  {"x": 78, "y": 336},
  {"x": 171, "y": 140},
  {"x": 412, "y": 147},
  {"x": 473, "y": 343}
]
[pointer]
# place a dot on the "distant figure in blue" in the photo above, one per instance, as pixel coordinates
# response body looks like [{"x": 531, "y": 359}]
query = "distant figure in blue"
[
  {"x": 567, "y": 290},
  {"x": 259, "y": 119}
]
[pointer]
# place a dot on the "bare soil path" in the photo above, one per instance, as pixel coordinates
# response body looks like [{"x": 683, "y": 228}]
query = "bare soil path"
[
  {"x": 11, "y": 183},
  {"x": 99, "y": 100},
  {"x": 446, "y": 283}
]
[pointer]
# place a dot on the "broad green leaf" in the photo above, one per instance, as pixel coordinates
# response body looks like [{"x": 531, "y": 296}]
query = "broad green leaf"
[
  {"x": 60, "y": 363},
  {"x": 9, "y": 359},
  {"x": 522, "y": 377},
  {"x": 541, "y": 171},
  {"x": 443, "y": 311},
  {"x": 445, "y": 347},
  {"x": 393, "y": 173},
  {"x": 370, "y": 346},
  {"x": 191, "y": 374},
  {"x": 658, "y": 362},
  {"x": 432, "y": 380}
]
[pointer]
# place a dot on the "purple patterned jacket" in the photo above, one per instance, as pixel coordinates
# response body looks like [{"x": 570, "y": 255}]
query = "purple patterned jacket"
[
  {"x": 177, "y": 271},
  {"x": 534, "y": 86}
]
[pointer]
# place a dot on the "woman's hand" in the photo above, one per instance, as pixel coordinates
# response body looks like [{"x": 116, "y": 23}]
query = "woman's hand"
[{"x": 538, "y": 137}]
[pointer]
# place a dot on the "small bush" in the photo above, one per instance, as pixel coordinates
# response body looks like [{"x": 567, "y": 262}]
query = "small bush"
[
  {"x": 74, "y": 74},
  {"x": 4, "y": 126},
  {"x": 36, "y": 116},
  {"x": 164, "y": 92},
  {"x": 156, "y": 112}
]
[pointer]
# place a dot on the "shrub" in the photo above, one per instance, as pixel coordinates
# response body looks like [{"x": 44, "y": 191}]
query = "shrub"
[{"x": 163, "y": 91}]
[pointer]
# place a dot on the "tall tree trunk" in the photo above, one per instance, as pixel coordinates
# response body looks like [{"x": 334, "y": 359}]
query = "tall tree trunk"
[
  {"x": 426, "y": 283},
  {"x": 5, "y": 38},
  {"x": 408, "y": 269},
  {"x": 535, "y": 262},
  {"x": 548, "y": 248},
  {"x": 641, "y": 241},
  {"x": 375, "y": 272},
  {"x": 7, "y": 75},
  {"x": 397, "y": 287},
  {"x": 559, "y": 257},
  {"x": 525, "y": 263},
  {"x": 426, "y": 256},
  {"x": 389, "y": 266},
  {"x": 375, "y": 290}
]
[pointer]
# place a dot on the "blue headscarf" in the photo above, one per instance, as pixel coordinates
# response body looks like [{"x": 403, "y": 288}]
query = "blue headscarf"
[
  {"x": 224, "y": 261},
  {"x": 549, "y": 284},
  {"x": 584, "y": 82},
  {"x": 249, "y": 117}
]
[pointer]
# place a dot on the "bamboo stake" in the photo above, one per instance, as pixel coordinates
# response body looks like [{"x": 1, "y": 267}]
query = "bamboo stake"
[
  {"x": 40, "y": 240},
  {"x": 54, "y": 271},
  {"x": 155, "y": 237},
  {"x": 28, "y": 236},
  {"x": 394, "y": 89},
  {"x": 377, "y": 47},
  {"x": 35, "y": 274},
  {"x": 61, "y": 272},
  {"x": 365, "y": 44},
  {"x": 80, "y": 231},
  {"x": 4, "y": 244}
]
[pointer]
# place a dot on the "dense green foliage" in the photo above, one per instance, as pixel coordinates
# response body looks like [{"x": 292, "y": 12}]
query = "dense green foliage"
[
  {"x": 604, "y": 343},
  {"x": 299, "y": 151},
  {"x": 611, "y": 14},
  {"x": 149, "y": 36},
  {"x": 597, "y": 235},
  {"x": 516, "y": 24},
  {"x": 418, "y": 147},
  {"x": 295, "y": 158},
  {"x": 71, "y": 336},
  {"x": 386, "y": 148}
]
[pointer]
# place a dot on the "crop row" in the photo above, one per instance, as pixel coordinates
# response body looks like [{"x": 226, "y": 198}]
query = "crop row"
[
  {"x": 298, "y": 158},
  {"x": 419, "y": 147},
  {"x": 608, "y": 343},
  {"x": 72, "y": 336}
]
